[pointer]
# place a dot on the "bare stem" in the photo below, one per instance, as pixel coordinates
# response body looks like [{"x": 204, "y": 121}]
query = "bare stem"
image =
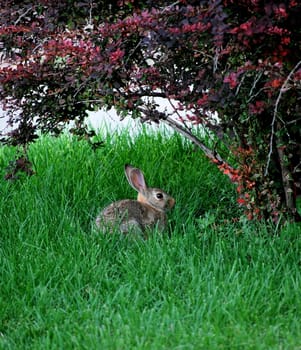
[
  {"x": 23, "y": 15},
  {"x": 283, "y": 89}
]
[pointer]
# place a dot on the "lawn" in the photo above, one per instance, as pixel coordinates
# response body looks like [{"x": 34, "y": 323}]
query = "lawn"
[{"x": 210, "y": 282}]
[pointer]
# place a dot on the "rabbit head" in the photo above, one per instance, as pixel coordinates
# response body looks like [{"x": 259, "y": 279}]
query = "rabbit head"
[{"x": 154, "y": 197}]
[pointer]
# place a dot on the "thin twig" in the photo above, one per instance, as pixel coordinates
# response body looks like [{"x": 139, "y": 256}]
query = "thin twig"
[
  {"x": 281, "y": 92},
  {"x": 258, "y": 76},
  {"x": 175, "y": 110},
  {"x": 23, "y": 15},
  {"x": 215, "y": 60},
  {"x": 90, "y": 13},
  {"x": 133, "y": 51},
  {"x": 169, "y": 6},
  {"x": 255, "y": 95},
  {"x": 239, "y": 85},
  {"x": 296, "y": 167}
]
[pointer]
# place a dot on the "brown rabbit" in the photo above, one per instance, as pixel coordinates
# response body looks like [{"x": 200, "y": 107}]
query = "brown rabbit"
[{"x": 148, "y": 211}]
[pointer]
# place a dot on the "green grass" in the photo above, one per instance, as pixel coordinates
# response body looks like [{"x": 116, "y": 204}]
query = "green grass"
[{"x": 210, "y": 283}]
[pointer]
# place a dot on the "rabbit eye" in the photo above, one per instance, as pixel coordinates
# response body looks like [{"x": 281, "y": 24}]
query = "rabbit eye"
[{"x": 159, "y": 196}]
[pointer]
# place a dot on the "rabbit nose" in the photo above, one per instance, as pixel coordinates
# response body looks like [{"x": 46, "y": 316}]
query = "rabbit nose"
[{"x": 171, "y": 202}]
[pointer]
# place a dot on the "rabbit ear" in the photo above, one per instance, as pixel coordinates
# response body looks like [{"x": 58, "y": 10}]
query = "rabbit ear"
[{"x": 135, "y": 178}]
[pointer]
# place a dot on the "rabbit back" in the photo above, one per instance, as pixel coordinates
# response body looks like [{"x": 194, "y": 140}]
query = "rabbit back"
[{"x": 130, "y": 215}]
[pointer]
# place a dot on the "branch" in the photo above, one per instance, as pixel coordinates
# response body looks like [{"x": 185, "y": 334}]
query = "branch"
[
  {"x": 23, "y": 15},
  {"x": 212, "y": 155},
  {"x": 177, "y": 113},
  {"x": 282, "y": 90}
]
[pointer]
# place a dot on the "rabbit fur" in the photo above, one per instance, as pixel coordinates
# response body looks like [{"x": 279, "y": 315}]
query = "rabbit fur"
[{"x": 148, "y": 211}]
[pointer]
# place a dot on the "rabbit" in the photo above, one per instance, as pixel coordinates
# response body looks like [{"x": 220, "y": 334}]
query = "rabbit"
[{"x": 147, "y": 212}]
